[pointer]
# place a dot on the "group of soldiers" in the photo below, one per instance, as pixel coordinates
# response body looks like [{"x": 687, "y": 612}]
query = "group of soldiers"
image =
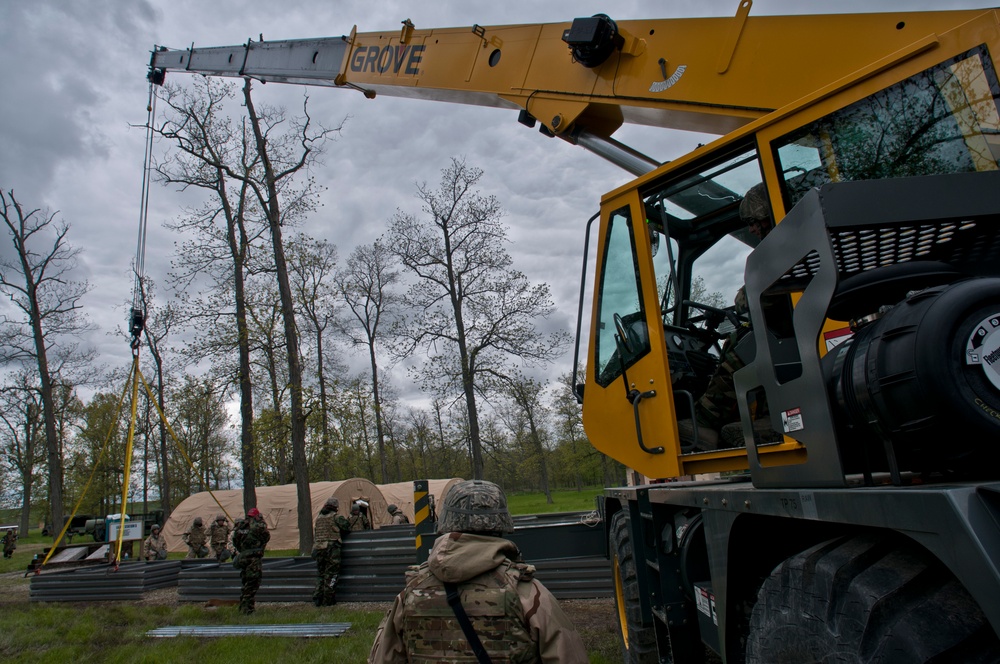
[
  {"x": 244, "y": 542},
  {"x": 200, "y": 541},
  {"x": 472, "y": 564}
]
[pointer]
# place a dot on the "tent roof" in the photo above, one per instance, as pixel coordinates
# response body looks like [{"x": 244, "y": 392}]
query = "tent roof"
[{"x": 278, "y": 504}]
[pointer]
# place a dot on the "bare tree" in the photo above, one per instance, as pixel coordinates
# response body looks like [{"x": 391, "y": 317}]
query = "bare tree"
[
  {"x": 313, "y": 264},
  {"x": 213, "y": 154},
  {"x": 44, "y": 332},
  {"x": 475, "y": 312},
  {"x": 366, "y": 285},
  {"x": 282, "y": 157}
]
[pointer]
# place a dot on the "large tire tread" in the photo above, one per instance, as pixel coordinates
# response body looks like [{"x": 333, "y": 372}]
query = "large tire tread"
[
  {"x": 638, "y": 642},
  {"x": 867, "y": 598}
]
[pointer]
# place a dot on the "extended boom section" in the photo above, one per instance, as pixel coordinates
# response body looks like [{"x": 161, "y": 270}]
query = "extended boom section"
[{"x": 706, "y": 74}]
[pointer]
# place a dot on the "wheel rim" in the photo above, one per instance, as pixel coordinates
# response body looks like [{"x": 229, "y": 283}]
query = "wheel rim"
[{"x": 620, "y": 599}]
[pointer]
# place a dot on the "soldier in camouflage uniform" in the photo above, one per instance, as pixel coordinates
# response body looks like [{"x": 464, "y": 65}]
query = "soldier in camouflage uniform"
[
  {"x": 9, "y": 542},
  {"x": 514, "y": 617},
  {"x": 358, "y": 519},
  {"x": 398, "y": 518},
  {"x": 218, "y": 537},
  {"x": 250, "y": 537},
  {"x": 328, "y": 532},
  {"x": 195, "y": 538},
  {"x": 155, "y": 546},
  {"x": 717, "y": 411}
]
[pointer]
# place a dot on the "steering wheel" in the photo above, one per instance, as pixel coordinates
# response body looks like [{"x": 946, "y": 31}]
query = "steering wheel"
[{"x": 712, "y": 317}]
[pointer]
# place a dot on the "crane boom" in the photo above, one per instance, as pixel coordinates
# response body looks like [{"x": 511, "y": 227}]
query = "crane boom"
[{"x": 711, "y": 75}]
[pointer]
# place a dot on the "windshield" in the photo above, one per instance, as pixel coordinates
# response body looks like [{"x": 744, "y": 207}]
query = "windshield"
[
  {"x": 707, "y": 244},
  {"x": 942, "y": 120}
]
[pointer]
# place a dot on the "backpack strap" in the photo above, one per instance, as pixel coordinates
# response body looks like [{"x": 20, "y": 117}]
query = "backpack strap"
[{"x": 455, "y": 601}]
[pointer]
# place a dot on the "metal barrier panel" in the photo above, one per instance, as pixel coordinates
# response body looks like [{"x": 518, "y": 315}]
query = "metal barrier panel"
[{"x": 567, "y": 551}]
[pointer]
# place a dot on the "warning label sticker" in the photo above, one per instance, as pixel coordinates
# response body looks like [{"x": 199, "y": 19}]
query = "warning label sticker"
[
  {"x": 834, "y": 338},
  {"x": 706, "y": 603},
  {"x": 791, "y": 420}
]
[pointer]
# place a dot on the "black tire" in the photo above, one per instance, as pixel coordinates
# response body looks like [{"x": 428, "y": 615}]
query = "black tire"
[
  {"x": 867, "y": 599},
  {"x": 638, "y": 642}
]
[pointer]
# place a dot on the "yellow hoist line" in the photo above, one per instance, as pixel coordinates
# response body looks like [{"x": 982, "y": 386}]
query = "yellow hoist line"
[
  {"x": 86, "y": 487},
  {"x": 133, "y": 380},
  {"x": 137, "y": 323}
]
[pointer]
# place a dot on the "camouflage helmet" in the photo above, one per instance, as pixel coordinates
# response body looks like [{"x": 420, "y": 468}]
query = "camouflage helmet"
[
  {"x": 197, "y": 521},
  {"x": 475, "y": 506},
  {"x": 154, "y": 527},
  {"x": 332, "y": 502},
  {"x": 392, "y": 509},
  {"x": 754, "y": 205},
  {"x": 220, "y": 517}
]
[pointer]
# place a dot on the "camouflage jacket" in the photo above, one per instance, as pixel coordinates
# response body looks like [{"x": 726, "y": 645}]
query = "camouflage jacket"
[
  {"x": 359, "y": 522},
  {"x": 328, "y": 529},
  {"x": 516, "y": 617},
  {"x": 218, "y": 535},
  {"x": 251, "y": 536},
  {"x": 154, "y": 548},
  {"x": 196, "y": 537}
]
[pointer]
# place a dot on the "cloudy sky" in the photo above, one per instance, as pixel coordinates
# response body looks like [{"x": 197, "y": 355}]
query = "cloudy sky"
[{"x": 73, "y": 85}]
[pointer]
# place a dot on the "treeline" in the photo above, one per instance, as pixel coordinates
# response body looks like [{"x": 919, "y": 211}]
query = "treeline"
[{"x": 245, "y": 345}]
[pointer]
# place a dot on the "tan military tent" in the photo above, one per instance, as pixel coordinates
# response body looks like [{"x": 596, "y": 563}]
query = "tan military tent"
[
  {"x": 279, "y": 505},
  {"x": 401, "y": 494}
]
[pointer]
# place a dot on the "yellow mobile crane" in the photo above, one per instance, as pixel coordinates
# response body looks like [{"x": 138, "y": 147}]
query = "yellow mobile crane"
[{"x": 866, "y": 526}]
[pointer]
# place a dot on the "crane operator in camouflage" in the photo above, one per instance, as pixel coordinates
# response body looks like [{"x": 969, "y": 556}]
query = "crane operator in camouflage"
[
  {"x": 328, "y": 532},
  {"x": 717, "y": 411},
  {"x": 474, "y": 600}
]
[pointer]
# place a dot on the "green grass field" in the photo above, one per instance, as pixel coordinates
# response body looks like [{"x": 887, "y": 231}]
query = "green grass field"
[{"x": 562, "y": 501}]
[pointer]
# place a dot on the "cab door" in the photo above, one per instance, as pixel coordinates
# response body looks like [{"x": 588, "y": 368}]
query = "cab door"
[{"x": 628, "y": 408}]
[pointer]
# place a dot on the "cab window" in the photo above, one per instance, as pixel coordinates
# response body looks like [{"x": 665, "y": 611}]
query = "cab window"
[
  {"x": 620, "y": 310},
  {"x": 942, "y": 120}
]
